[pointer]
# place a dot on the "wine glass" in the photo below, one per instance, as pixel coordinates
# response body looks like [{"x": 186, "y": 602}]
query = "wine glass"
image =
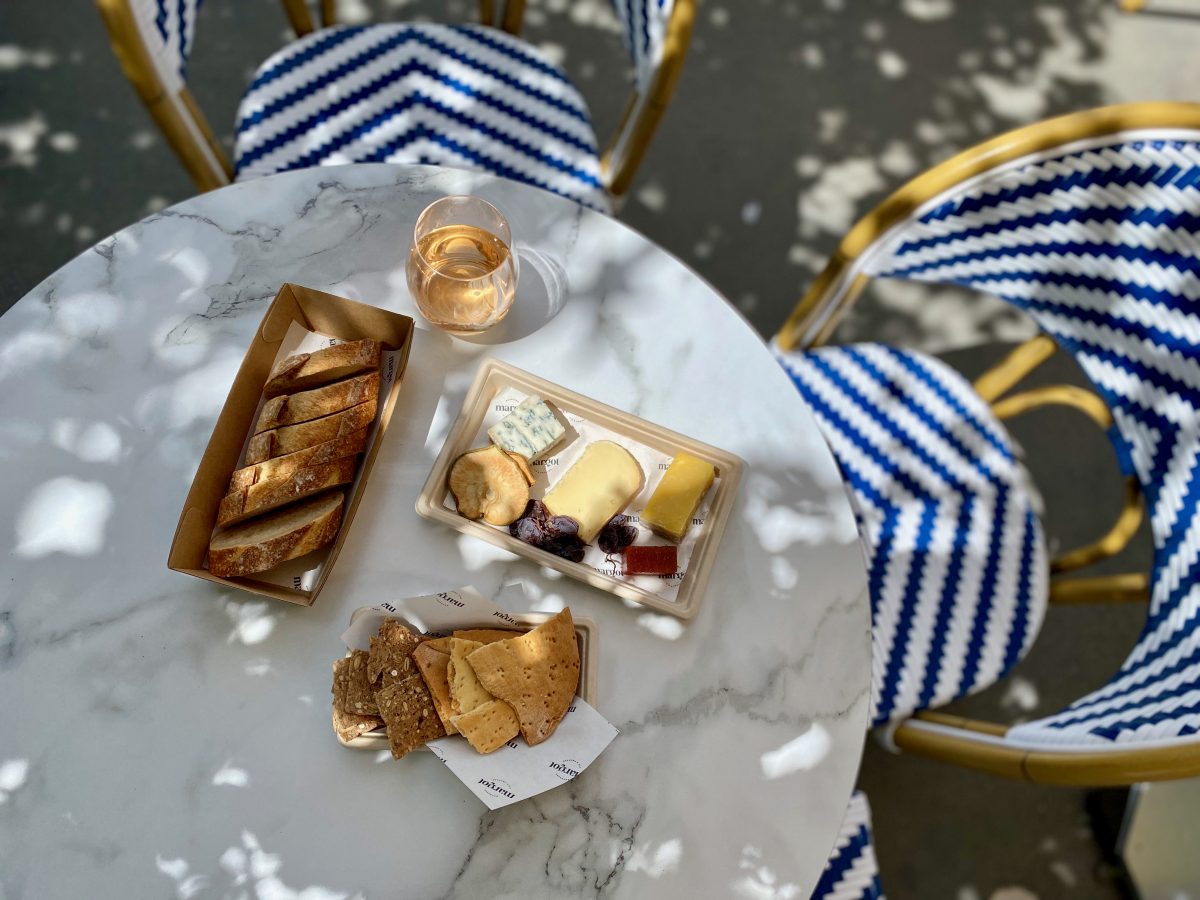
[{"x": 462, "y": 271}]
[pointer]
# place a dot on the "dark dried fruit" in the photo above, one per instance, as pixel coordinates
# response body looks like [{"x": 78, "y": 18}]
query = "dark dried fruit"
[
  {"x": 554, "y": 534},
  {"x": 562, "y": 526},
  {"x": 616, "y": 535}
]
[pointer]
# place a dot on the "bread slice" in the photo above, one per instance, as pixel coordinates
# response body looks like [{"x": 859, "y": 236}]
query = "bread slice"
[
  {"x": 302, "y": 371},
  {"x": 239, "y": 505},
  {"x": 323, "y": 401},
  {"x": 285, "y": 466},
  {"x": 264, "y": 543},
  {"x": 292, "y": 438}
]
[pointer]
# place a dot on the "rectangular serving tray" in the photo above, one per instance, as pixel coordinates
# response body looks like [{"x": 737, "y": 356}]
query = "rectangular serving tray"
[
  {"x": 495, "y": 376},
  {"x": 589, "y": 655}
]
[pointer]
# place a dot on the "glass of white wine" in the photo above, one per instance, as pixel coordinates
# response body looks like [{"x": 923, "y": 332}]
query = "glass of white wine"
[{"x": 462, "y": 270}]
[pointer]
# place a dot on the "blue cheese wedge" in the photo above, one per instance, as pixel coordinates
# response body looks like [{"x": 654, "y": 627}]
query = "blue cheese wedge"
[{"x": 529, "y": 430}]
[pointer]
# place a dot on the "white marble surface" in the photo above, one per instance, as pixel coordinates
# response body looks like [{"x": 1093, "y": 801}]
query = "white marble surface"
[{"x": 162, "y": 737}]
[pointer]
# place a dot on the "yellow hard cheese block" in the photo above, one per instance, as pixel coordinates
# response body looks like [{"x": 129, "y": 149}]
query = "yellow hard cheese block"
[
  {"x": 596, "y": 488},
  {"x": 677, "y": 496}
]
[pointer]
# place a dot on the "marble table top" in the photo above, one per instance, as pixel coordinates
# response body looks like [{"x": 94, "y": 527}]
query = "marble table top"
[{"x": 164, "y": 737}]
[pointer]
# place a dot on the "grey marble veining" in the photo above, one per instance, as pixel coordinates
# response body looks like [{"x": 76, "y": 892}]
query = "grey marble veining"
[{"x": 162, "y": 736}]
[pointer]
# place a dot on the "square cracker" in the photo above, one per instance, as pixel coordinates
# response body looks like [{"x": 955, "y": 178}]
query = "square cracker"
[
  {"x": 411, "y": 718},
  {"x": 486, "y": 635},
  {"x": 348, "y": 726},
  {"x": 389, "y": 655},
  {"x": 489, "y": 726},
  {"x": 466, "y": 692},
  {"x": 433, "y": 665},
  {"x": 442, "y": 644},
  {"x": 537, "y": 673},
  {"x": 352, "y": 691}
]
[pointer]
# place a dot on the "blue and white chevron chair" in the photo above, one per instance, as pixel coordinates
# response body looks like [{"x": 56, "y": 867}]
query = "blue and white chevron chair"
[
  {"x": 1090, "y": 223},
  {"x": 852, "y": 872},
  {"x": 467, "y": 96}
]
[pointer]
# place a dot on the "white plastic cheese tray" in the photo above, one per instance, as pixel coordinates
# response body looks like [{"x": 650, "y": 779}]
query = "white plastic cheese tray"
[
  {"x": 589, "y": 655},
  {"x": 497, "y": 388}
]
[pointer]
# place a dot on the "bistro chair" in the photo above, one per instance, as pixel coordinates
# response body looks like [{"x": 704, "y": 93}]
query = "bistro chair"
[
  {"x": 468, "y": 96},
  {"x": 1090, "y": 223},
  {"x": 852, "y": 872}
]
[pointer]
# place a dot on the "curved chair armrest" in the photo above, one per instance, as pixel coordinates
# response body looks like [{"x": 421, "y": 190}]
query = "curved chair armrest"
[
  {"x": 645, "y": 110},
  {"x": 1127, "y": 587},
  {"x": 1007, "y": 373},
  {"x": 298, "y": 16},
  {"x": 822, "y": 307},
  {"x": 982, "y": 745},
  {"x": 512, "y": 14},
  {"x": 1130, "y": 517}
]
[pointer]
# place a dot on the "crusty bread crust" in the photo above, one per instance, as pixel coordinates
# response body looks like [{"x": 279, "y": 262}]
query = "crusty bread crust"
[
  {"x": 276, "y": 537},
  {"x": 239, "y": 505},
  {"x": 291, "y": 438},
  {"x": 284, "y": 466},
  {"x": 302, "y": 371},
  {"x": 291, "y": 409}
]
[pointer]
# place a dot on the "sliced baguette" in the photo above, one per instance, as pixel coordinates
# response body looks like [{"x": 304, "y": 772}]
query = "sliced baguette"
[
  {"x": 285, "y": 466},
  {"x": 302, "y": 371},
  {"x": 276, "y": 537},
  {"x": 292, "y": 438},
  {"x": 291, "y": 409},
  {"x": 239, "y": 505}
]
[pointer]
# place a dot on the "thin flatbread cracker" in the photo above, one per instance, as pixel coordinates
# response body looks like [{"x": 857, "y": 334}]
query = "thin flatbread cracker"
[
  {"x": 441, "y": 645},
  {"x": 389, "y": 655},
  {"x": 408, "y": 711},
  {"x": 486, "y": 635},
  {"x": 432, "y": 665},
  {"x": 489, "y": 726},
  {"x": 466, "y": 692},
  {"x": 352, "y": 691},
  {"x": 536, "y": 673},
  {"x": 348, "y": 726}
]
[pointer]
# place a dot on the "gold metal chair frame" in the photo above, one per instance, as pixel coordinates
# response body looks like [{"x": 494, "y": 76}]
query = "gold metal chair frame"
[
  {"x": 192, "y": 138},
  {"x": 968, "y": 742}
]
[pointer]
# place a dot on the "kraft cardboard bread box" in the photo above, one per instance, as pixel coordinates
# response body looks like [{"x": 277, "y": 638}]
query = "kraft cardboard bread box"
[{"x": 303, "y": 318}]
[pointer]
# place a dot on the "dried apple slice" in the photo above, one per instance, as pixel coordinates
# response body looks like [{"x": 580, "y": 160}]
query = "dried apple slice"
[
  {"x": 522, "y": 464},
  {"x": 488, "y": 484}
]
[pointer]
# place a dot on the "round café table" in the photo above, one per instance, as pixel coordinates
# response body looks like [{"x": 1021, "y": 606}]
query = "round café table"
[{"x": 166, "y": 737}]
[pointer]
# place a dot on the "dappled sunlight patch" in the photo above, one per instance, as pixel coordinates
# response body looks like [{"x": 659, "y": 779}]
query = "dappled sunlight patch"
[
  {"x": 13, "y": 775},
  {"x": 759, "y": 881},
  {"x": 95, "y": 442},
  {"x": 477, "y": 554},
  {"x": 13, "y": 57},
  {"x": 21, "y": 140},
  {"x": 252, "y": 624},
  {"x": 64, "y": 515},
  {"x": 801, "y": 754},
  {"x": 231, "y": 776},
  {"x": 668, "y": 628},
  {"x": 655, "y": 861}
]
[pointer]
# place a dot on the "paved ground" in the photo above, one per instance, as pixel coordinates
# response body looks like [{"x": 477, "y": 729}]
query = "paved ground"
[{"x": 792, "y": 118}]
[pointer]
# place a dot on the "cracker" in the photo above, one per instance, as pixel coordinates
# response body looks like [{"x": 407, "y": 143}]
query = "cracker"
[
  {"x": 466, "y": 692},
  {"x": 352, "y": 691},
  {"x": 442, "y": 644},
  {"x": 389, "y": 656},
  {"x": 486, "y": 635},
  {"x": 411, "y": 718},
  {"x": 348, "y": 726},
  {"x": 432, "y": 665},
  {"x": 536, "y": 673},
  {"x": 489, "y": 726}
]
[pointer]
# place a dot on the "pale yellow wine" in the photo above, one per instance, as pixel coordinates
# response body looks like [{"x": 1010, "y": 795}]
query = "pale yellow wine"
[{"x": 462, "y": 278}]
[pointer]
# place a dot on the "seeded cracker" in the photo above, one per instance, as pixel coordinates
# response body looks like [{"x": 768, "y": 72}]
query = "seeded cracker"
[
  {"x": 352, "y": 691},
  {"x": 348, "y": 726},
  {"x": 409, "y": 714},
  {"x": 389, "y": 655}
]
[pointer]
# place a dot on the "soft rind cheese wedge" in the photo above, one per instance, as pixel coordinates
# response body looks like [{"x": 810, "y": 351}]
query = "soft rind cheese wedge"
[
  {"x": 530, "y": 430},
  {"x": 596, "y": 488},
  {"x": 678, "y": 496}
]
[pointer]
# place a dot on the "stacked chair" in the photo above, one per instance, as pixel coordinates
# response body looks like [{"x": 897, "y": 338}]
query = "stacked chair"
[{"x": 468, "y": 96}]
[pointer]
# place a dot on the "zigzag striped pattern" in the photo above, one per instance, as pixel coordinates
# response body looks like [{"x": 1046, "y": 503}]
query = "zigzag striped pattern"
[
  {"x": 1101, "y": 246},
  {"x": 644, "y": 27},
  {"x": 464, "y": 96},
  {"x": 852, "y": 872},
  {"x": 957, "y": 559},
  {"x": 168, "y": 28}
]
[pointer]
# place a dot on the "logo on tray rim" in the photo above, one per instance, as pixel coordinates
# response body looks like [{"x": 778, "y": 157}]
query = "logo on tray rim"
[{"x": 566, "y": 769}]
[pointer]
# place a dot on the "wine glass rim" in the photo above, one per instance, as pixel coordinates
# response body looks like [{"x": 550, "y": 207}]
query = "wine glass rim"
[{"x": 420, "y": 218}]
